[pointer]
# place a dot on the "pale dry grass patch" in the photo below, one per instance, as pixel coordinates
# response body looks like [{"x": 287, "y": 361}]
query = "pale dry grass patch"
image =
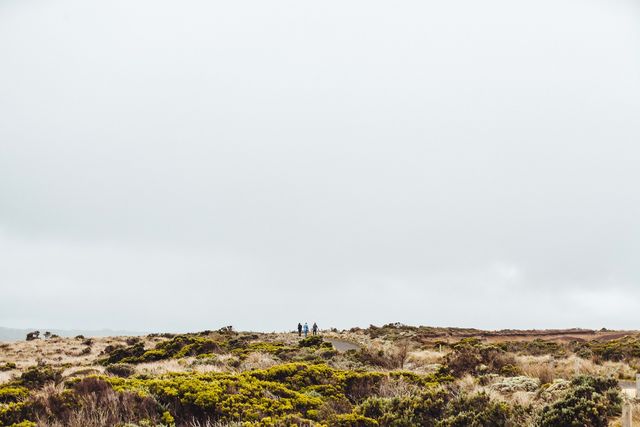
[
  {"x": 468, "y": 384},
  {"x": 204, "y": 369},
  {"x": 7, "y": 376},
  {"x": 398, "y": 388},
  {"x": 163, "y": 366},
  {"x": 419, "y": 358},
  {"x": 547, "y": 368},
  {"x": 258, "y": 360},
  {"x": 82, "y": 371}
]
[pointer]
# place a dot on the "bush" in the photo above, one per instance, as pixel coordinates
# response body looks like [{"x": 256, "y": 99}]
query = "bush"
[
  {"x": 616, "y": 350},
  {"x": 513, "y": 384},
  {"x": 37, "y": 376},
  {"x": 372, "y": 357},
  {"x": 133, "y": 340},
  {"x": 353, "y": 420},
  {"x": 33, "y": 335},
  {"x": 589, "y": 402},
  {"x": 312, "y": 341},
  {"x": 123, "y": 370},
  {"x": 120, "y": 354},
  {"x": 470, "y": 356},
  {"x": 477, "y": 410},
  {"x": 8, "y": 366},
  {"x": 424, "y": 409},
  {"x": 14, "y": 413},
  {"x": 10, "y": 394}
]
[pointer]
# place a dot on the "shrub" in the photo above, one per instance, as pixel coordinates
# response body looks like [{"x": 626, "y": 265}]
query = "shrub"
[
  {"x": 123, "y": 370},
  {"x": 477, "y": 410},
  {"x": 167, "y": 418},
  {"x": 132, "y": 340},
  {"x": 14, "y": 413},
  {"x": 589, "y": 401},
  {"x": 10, "y": 394},
  {"x": 510, "y": 370},
  {"x": 616, "y": 350},
  {"x": 8, "y": 366},
  {"x": 24, "y": 424},
  {"x": 470, "y": 356},
  {"x": 513, "y": 384},
  {"x": 353, "y": 420},
  {"x": 120, "y": 354},
  {"x": 92, "y": 402},
  {"x": 312, "y": 341},
  {"x": 372, "y": 357},
  {"x": 33, "y": 335},
  {"x": 37, "y": 376},
  {"x": 424, "y": 409}
]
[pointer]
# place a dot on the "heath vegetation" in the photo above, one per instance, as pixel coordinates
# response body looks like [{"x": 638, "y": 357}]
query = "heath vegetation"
[{"x": 397, "y": 376}]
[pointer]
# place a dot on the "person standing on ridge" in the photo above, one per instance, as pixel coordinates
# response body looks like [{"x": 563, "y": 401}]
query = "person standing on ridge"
[
  {"x": 305, "y": 329},
  {"x": 314, "y": 328},
  {"x": 299, "y": 329}
]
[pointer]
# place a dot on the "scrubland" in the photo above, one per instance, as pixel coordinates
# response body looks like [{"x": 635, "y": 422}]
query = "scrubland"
[{"x": 398, "y": 376}]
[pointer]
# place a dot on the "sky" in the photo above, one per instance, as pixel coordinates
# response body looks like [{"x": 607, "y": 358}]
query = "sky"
[{"x": 180, "y": 166}]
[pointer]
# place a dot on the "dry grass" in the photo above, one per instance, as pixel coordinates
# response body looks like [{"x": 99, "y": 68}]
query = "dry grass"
[
  {"x": 423, "y": 359},
  {"x": 163, "y": 366},
  {"x": 547, "y": 368},
  {"x": 399, "y": 387},
  {"x": 258, "y": 361}
]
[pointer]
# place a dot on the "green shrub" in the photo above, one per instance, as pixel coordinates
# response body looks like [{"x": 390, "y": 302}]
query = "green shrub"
[
  {"x": 177, "y": 347},
  {"x": 470, "y": 356},
  {"x": 130, "y": 354},
  {"x": 353, "y": 420},
  {"x": 477, "y": 410},
  {"x": 187, "y": 345},
  {"x": 589, "y": 402},
  {"x": 8, "y": 366},
  {"x": 421, "y": 410},
  {"x": 37, "y": 376},
  {"x": 24, "y": 424},
  {"x": 379, "y": 358},
  {"x": 624, "y": 348},
  {"x": 121, "y": 370},
  {"x": 14, "y": 413},
  {"x": 311, "y": 341},
  {"x": 167, "y": 418},
  {"x": 510, "y": 370},
  {"x": 10, "y": 393}
]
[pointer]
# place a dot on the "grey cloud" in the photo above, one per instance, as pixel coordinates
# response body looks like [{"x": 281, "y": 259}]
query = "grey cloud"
[{"x": 167, "y": 166}]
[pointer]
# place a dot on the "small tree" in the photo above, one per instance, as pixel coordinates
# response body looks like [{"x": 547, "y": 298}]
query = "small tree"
[
  {"x": 33, "y": 335},
  {"x": 401, "y": 353}
]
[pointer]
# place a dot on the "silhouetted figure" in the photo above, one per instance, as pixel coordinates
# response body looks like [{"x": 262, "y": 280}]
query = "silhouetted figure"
[
  {"x": 299, "y": 329},
  {"x": 305, "y": 329},
  {"x": 314, "y": 328}
]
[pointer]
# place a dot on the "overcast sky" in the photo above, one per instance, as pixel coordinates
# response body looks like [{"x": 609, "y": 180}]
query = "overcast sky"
[{"x": 186, "y": 165}]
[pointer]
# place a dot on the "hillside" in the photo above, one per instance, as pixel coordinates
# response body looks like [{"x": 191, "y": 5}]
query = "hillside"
[{"x": 379, "y": 376}]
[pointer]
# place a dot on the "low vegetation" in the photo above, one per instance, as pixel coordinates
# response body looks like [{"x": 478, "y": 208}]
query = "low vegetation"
[{"x": 398, "y": 376}]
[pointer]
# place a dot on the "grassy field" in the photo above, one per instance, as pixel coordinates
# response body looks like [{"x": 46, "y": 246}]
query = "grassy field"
[{"x": 393, "y": 375}]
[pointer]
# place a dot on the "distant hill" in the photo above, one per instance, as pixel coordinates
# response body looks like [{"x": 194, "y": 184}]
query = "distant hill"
[{"x": 12, "y": 334}]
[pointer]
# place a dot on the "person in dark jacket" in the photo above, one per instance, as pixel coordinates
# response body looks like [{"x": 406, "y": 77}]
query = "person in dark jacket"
[
  {"x": 299, "y": 329},
  {"x": 314, "y": 328}
]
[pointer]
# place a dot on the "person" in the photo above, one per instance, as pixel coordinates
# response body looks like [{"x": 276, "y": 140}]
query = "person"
[
  {"x": 314, "y": 328},
  {"x": 305, "y": 329},
  {"x": 299, "y": 329}
]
